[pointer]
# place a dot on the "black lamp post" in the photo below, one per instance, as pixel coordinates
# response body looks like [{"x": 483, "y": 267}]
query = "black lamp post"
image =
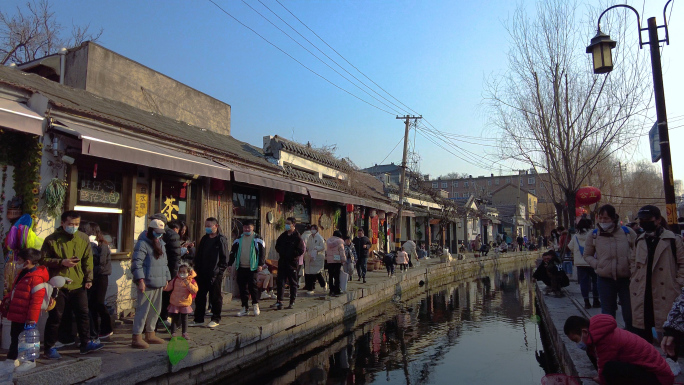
[{"x": 601, "y": 51}]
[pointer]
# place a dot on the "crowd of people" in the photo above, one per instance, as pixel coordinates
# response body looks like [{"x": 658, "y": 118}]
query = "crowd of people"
[{"x": 638, "y": 267}]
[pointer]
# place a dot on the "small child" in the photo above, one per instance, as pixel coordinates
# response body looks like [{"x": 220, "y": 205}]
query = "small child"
[
  {"x": 389, "y": 262},
  {"x": 623, "y": 357},
  {"x": 265, "y": 283},
  {"x": 183, "y": 289},
  {"x": 402, "y": 259},
  {"x": 24, "y": 307}
]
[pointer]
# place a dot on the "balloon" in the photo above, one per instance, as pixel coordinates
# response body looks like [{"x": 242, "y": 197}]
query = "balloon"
[{"x": 587, "y": 195}]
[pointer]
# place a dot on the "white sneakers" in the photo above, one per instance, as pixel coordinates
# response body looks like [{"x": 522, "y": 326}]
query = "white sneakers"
[
  {"x": 674, "y": 366},
  {"x": 25, "y": 366},
  {"x": 310, "y": 292},
  {"x": 241, "y": 313},
  {"x": 212, "y": 324},
  {"x": 256, "y": 309}
]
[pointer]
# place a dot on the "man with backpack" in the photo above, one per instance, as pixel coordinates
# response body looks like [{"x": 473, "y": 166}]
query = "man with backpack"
[
  {"x": 658, "y": 273},
  {"x": 608, "y": 250}
]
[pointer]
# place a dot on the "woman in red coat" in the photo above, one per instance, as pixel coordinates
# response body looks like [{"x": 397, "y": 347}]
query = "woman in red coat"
[{"x": 24, "y": 308}]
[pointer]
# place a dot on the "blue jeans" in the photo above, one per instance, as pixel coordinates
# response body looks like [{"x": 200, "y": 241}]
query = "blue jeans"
[
  {"x": 567, "y": 267},
  {"x": 609, "y": 290},
  {"x": 587, "y": 280}
]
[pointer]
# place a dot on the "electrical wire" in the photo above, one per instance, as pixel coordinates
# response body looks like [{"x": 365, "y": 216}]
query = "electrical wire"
[
  {"x": 395, "y": 147},
  {"x": 298, "y": 62},
  {"x": 314, "y": 55},
  {"x": 331, "y": 59}
]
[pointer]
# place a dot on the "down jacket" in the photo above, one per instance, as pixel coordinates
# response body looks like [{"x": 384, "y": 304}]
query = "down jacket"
[
  {"x": 609, "y": 253},
  {"x": 25, "y": 306},
  {"x": 315, "y": 244},
  {"x": 182, "y": 291},
  {"x": 173, "y": 250},
  {"x": 667, "y": 277},
  {"x": 615, "y": 344},
  {"x": 155, "y": 271},
  {"x": 335, "y": 250}
]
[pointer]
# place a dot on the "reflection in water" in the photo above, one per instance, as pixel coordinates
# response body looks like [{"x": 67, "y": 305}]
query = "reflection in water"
[{"x": 480, "y": 331}]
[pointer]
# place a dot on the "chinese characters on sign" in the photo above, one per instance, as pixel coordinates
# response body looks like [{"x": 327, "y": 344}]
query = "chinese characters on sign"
[
  {"x": 98, "y": 192},
  {"x": 170, "y": 209}
]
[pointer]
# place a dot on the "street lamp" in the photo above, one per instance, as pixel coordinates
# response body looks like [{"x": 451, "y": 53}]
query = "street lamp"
[{"x": 601, "y": 52}]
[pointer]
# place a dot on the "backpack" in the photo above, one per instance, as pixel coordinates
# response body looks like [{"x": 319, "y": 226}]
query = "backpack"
[{"x": 48, "y": 300}]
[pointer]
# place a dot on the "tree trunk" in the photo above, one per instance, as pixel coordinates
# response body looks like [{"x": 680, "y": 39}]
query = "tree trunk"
[{"x": 570, "y": 197}]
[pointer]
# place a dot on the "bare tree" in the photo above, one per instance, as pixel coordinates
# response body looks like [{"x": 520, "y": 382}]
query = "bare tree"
[
  {"x": 34, "y": 32},
  {"x": 552, "y": 111}
]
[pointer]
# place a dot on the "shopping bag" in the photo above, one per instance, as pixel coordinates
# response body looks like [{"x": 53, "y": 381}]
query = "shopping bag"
[{"x": 344, "y": 278}]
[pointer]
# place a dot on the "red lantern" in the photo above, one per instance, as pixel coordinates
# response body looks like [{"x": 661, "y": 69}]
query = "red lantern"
[
  {"x": 350, "y": 208},
  {"x": 280, "y": 196},
  {"x": 579, "y": 211},
  {"x": 587, "y": 195}
]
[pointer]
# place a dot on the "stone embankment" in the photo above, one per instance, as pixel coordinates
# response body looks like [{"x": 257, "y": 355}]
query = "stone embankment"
[{"x": 241, "y": 342}]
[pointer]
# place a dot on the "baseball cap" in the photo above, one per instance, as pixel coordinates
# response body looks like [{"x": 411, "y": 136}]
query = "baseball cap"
[
  {"x": 157, "y": 225},
  {"x": 648, "y": 211}
]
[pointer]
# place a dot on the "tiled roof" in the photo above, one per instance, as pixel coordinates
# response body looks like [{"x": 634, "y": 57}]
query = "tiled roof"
[
  {"x": 312, "y": 154},
  {"x": 85, "y": 104},
  {"x": 382, "y": 169}
]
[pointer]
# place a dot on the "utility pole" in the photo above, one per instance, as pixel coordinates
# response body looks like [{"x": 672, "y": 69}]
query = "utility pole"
[{"x": 400, "y": 220}]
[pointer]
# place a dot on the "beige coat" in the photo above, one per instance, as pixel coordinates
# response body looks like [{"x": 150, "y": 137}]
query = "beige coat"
[
  {"x": 667, "y": 278},
  {"x": 609, "y": 254},
  {"x": 314, "y": 258},
  {"x": 410, "y": 249},
  {"x": 574, "y": 246}
]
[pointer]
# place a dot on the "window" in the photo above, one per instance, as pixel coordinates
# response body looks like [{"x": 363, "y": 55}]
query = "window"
[
  {"x": 489, "y": 183},
  {"x": 465, "y": 184},
  {"x": 245, "y": 206},
  {"x": 445, "y": 184},
  {"x": 455, "y": 195},
  {"x": 508, "y": 180},
  {"x": 455, "y": 184},
  {"x": 496, "y": 182},
  {"x": 530, "y": 180},
  {"x": 533, "y": 192},
  {"x": 435, "y": 185},
  {"x": 521, "y": 181},
  {"x": 99, "y": 201}
]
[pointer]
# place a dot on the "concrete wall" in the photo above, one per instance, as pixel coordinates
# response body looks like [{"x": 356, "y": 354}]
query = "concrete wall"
[{"x": 110, "y": 75}]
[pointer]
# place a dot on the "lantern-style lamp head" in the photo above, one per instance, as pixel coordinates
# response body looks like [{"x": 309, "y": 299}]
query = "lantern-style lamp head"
[{"x": 600, "y": 50}]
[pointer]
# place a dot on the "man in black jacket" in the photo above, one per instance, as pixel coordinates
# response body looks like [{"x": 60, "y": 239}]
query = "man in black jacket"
[
  {"x": 362, "y": 245},
  {"x": 173, "y": 255},
  {"x": 289, "y": 248},
  {"x": 211, "y": 262}
]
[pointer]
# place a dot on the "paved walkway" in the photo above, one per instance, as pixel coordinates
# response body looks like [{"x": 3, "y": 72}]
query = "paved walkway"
[{"x": 559, "y": 309}]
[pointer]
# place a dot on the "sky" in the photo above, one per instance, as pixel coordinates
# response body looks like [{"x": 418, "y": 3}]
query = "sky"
[{"x": 430, "y": 56}]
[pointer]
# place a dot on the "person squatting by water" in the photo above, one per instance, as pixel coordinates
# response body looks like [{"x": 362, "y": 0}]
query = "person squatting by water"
[
  {"x": 551, "y": 273},
  {"x": 623, "y": 358}
]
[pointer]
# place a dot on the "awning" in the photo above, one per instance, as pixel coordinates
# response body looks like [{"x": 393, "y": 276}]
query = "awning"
[
  {"x": 114, "y": 146},
  {"x": 346, "y": 198},
  {"x": 19, "y": 117},
  {"x": 406, "y": 213},
  {"x": 258, "y": 178}
]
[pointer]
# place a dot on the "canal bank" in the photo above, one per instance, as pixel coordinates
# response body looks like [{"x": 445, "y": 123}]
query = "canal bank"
[
  {"x": 239, "y": 343},
  {"x": 554, "y": 311}
]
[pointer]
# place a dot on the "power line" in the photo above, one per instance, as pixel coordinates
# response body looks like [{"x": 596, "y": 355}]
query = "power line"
[
  {"x": 331, "y": 59},
  {"x": 312, "y": 54},
  {"x": 390, "y": 153},
  {"x": 298, "y": 62},
  {"x": 343, "y": 58}
]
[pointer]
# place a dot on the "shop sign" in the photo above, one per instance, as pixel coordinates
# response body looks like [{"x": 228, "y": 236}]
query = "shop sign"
[{"x": 98, "y": 193}]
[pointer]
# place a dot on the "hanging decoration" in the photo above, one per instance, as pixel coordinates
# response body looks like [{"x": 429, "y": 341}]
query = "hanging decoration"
[
  {"x": 53, "y": 197},
  {"x": 587, "y": 195}
]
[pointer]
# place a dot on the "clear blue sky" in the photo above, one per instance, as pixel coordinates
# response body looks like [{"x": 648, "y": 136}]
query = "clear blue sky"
[{"x": 431, "y": 55}]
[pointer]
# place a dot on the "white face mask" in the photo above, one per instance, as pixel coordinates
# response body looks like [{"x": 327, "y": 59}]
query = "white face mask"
[
  {"x": 19, "y": 266},
  {"x": 183, "y": 275},
  {"x": 314, "y": 231},
  {"x": 607, "y": 226},
  {"x": 92, "y": 238}
]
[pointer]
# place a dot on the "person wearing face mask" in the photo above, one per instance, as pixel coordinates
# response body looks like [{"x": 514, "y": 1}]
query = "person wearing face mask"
[
  {"x": 211, "y": 262},
  {"x": 67, "y": 253},
  {"x": 314, "y": 260},
  {"x": 249, "y": 257},
  {"x": 150, "y": 271},
  {"x": 657, "y": 273},
  {"x": 100, "y": 320},
  {"x": 289, "y": 247},
  {"x": 608, "y": 250},
  {"x": 623, "y": 358},
  {"x": 182, "y": 289}
]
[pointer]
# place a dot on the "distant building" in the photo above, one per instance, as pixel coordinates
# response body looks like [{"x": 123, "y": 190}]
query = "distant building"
[{"x": 484, "y": 186}]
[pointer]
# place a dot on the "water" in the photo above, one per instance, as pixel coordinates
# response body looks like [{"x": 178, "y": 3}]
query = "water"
[{"x": 477, "y": 331}]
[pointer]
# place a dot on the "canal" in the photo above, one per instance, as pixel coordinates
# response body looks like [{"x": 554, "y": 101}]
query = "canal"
[{"x": 480, "y": 330}]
